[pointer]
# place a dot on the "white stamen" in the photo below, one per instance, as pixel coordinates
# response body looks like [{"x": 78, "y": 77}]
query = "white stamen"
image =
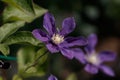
[
  {"x": 93, "y": 59},
  {"x": 57, "y": 39}
]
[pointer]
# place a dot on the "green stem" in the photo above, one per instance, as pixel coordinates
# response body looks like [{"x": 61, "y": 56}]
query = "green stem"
[
  {"x": 8, "y": 58},
  {"x": 36, "y": 61}
]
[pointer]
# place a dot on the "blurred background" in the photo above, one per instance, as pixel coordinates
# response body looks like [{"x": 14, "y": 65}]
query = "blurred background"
[{"x": 92, "y": 16}]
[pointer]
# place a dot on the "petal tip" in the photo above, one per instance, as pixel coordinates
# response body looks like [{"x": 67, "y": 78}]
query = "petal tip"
[
  {"x": 52, "y": 77},
  {"x": 34, "y": 31},
  {"x": 68, "y": 25}
]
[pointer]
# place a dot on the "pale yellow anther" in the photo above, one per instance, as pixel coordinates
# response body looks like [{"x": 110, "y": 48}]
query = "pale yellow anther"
[
  {"x": 93, "y": 59},
  {"x": 57, "y": 39}
]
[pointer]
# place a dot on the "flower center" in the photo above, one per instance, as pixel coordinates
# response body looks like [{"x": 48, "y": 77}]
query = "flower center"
[
  {"x": 57, "y": 39},
  {"x": 92, "y": 58}
]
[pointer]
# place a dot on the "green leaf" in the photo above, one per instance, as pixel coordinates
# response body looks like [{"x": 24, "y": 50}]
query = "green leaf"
[
  {"x": 41, "y": 52},
  {"x": 11, "y": 14},
  {"x": 26, "y": 57},
  {"x": 23, "y": 5},
  {"x": 22, "y": 37},
  {"x": 31, "y": 70},
  {"x": 9, "y": 28},
  {"x": 17, "y": 77},
  {"x": 4, "y": 49},
  {"x": 35, "y": 74}
]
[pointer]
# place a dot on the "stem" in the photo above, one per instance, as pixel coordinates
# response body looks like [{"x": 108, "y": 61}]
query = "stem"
[
  {"x": 36, "y": 61},
  {"x": 8, "y": 58}
]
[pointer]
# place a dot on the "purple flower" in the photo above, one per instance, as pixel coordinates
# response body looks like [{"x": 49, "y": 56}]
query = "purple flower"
[
  {"x": 56, "y": 40},
  {"x": 95, "y": 61},
  {"x": 51, "y": 77}
]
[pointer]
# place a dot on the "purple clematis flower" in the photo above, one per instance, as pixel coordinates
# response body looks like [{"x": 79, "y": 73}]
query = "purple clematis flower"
[
  {"x": 51, "y": 77},
  {"x": 95, "y": 61},
  {"x": 57, "y": 40}
]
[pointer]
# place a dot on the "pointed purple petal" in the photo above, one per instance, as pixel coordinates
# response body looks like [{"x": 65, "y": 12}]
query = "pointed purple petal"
[
  {"x": 52, "y": 48},
  {"x": 49, "y": 23},
  {"x": 92, "y": 40},
  {"x": 107, "y": 56},
  {"x": 67, "y": 52},
  {"x": 68, "y": 26},
  {"x": 40, "y": 35},
  {"x": 80, "y": 56},
  {"x": 89, "y": 49},
  {"x": 91, "y": 69},
  {"x": 107, "y": 70},
  {"x": 76, "y": 41},
  {"x": 51, "y": 77}
]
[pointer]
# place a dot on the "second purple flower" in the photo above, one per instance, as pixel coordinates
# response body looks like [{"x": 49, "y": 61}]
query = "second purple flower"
[{"x": 95, "y": 60}]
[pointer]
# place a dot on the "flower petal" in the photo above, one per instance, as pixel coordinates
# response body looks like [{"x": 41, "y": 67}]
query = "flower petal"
[
  {"x": 76, "y": 41},
  {"x": 107, "y": 70},
  {"x": 107, "y": 56},
  {"x": 91, "y": 69},
  {"x": 92, "y": 40},
  {"x": 52, "y": 48},
  {"x": 68, "y": 26},
  {"x": 89, "y": 50},
  {"x": 49, "y": 23},
  {"x": 40, "y": 35},
  {"x": 51, "y": 77},
  {"x": 80, "y": 56},
  {"x": 73, "y": 41},
  {"x": 67, "y": 52}
]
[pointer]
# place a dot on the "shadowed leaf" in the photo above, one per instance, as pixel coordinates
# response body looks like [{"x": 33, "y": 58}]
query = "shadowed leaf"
[
  {"x": 14, "y": 14},
  {"x": 9, "y": 28},
  {"x": 22, "y": 37},
  {"x": 4, "y": 49},
  {"x": 23, "y": 5}
]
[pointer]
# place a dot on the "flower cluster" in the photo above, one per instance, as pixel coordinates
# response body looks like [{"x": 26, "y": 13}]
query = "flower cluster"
[{"x": 56, "y": 40}]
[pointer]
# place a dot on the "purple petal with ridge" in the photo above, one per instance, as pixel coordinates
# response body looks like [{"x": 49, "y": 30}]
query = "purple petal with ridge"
[
  {"x": 52, "y": 48},
  {"x": 68, "y": 26},
  {"x": 107, "y": 56},
  {"x": 49, "y": 23},
  {"x": 91, "y": 69},
  {"x": 92, "y": 40},
  {"x": 79, "y": 55},
  {"x": 75, "y": 41},
  {"x": 67, "y": 52},
  {"x": 107, "y": 70},
  {"x": 40, "y": 35}
]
